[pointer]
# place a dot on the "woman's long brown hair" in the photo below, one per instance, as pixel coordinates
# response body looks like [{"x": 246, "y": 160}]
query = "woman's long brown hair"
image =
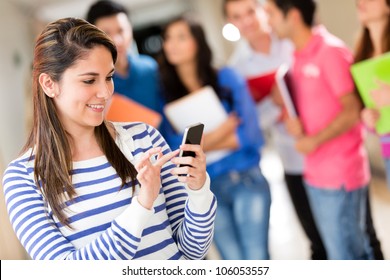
[
  {"x": 365, "y": 47},
  {"x": 60, "y": 45},
  {"x": 173, "y": 86}
]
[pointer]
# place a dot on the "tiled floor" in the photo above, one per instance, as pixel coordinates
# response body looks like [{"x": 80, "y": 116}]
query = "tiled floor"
[{"x": 287, "y": 239}]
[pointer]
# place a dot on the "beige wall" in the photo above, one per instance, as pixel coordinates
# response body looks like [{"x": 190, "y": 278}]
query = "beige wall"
[
  {"x": 339, "y": 16},
  {"x": 10, "y": 248},
  {"x": 15, "y": 53}
]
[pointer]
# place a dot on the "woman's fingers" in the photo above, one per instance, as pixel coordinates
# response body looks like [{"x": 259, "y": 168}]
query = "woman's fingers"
[
  {"x": 145, "y": 159},
  {"x": 197, "y": 149},
  {"x": 194, "y": 168},
  {"x": 162, "y": 159}
]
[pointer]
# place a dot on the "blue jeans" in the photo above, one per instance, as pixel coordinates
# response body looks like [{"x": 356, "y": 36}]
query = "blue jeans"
[
  {"x": 242, "y": 221},
  {"x": 387, "y": 166},
  {"x": 340, "y": 216}
]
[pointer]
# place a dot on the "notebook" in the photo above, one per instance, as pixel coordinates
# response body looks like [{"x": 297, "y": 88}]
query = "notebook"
[
  {"x": 365, "y": 73},
  {"x": 283, "y": 81},
  {"x": 124, "y": 109},
  {"x": 261, "y": 86},
  {"x": 201, "y": 106}
]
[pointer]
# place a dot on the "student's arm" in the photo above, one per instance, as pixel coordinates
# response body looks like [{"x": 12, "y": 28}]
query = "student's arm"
[
  {"x": 191, "y": 213},
  {"x": 41, "y": 237},
  {"x": 223, "y": 137},
  {"x": 242, "y": 125},
  {"x": 343, "y": 122}
]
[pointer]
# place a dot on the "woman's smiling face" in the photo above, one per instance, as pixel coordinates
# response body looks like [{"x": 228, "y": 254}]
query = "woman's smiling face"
[{"x": 84, "y": 90}]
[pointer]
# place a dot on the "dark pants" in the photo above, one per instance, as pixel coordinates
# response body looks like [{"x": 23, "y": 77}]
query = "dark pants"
[
  {"x": 302, "y": 208},
  {"x": 301, "y": 204},
  {"x": 374, "y": 242}
]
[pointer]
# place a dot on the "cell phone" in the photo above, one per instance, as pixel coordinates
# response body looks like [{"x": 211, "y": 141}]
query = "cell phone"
[{"x": 192, "y": 135}]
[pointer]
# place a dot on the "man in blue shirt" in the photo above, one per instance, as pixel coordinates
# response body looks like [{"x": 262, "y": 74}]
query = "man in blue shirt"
[{"x": 136, "y": 76}]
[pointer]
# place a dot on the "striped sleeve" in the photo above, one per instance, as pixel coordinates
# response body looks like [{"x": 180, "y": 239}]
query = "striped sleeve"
[
  {"x": 38, "y": 233},
  {"x": 191, "y": 213}
]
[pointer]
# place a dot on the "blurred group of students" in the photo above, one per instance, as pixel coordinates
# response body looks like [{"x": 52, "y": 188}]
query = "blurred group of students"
[{"x": 326, "y": 168}]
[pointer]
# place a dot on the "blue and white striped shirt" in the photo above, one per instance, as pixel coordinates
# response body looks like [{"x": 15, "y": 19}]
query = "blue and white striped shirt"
[{"x": 109, "y": 223}]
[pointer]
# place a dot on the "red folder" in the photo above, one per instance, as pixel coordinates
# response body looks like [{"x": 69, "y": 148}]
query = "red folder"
[{"x": 261, "y": 86}]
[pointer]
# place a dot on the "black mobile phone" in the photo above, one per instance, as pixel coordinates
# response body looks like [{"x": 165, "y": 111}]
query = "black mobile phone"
[{"x": 192, "y": 135}]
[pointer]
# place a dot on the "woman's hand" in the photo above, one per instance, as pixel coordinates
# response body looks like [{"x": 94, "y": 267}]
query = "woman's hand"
[
  {"x": 149, "y": 175},
  {"x": 381, "y": 95},
  {"x": 370, "y": 117},
  {"x": 195, "y": 168},
  {"x": 213, "y": 139}
]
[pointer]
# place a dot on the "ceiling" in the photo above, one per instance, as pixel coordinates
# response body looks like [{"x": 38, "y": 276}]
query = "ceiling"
[{"x": 48, "y": 10}]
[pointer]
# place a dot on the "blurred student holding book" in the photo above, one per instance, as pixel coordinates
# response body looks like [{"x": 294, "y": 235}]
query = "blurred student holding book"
[
  {"x": 257, "y": 55},
  {"x": 328, "y": 130},
  {"x": 136, "y": 75},
  {"x": 374, "y": 41},
  {"x": 261, "y": 52},
  {"x": 85, "y": 188},
  {"x": 242, "y": 223}
]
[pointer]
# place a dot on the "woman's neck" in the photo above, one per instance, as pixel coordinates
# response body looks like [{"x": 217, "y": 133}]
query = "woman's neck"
[
  {"x": 377, "y": 29},
  {"x": 84, "y": 145},
  {"x": 188, "y": 75}
]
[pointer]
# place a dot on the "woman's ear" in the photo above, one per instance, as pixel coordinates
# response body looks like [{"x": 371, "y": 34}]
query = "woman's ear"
[{"x": 48, "y": 85}]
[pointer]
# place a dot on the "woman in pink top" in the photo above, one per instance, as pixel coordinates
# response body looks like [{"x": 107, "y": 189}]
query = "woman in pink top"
[{"x": 374, "y": 16}]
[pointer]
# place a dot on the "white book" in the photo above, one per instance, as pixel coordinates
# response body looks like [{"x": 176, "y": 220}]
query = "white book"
[
  {"x": 285, "y": 88},
  {"x": 201, "y": 106}
]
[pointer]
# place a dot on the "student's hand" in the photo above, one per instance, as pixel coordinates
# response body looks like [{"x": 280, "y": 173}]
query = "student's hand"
[
  {"x": 196, "y": 171},
  {"x": 149, "y": 175},
  {"x": 276, "y": 96},
  {"x": 370, "y": 117},
  {"x": 294, "y": 127},
  {"x": 224, "y": 131},
  {"x": 229, "y": 125},
  {"x": 381, "y": 95},
  {"x": 306, "y": 144}
]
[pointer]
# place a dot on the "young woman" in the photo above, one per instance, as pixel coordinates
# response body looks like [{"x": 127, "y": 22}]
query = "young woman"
[
  {"x": 85, "y": 188},
  {"x": 374, "y": 15},
  {"x": 241, "y": 229}
]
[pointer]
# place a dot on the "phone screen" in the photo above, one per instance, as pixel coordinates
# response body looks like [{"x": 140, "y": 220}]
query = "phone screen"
[{"x": 192, "y": 135}]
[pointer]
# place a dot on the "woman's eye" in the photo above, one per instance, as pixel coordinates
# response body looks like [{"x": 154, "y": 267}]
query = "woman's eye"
[
  {"x": 89, "y": 82},
  {"x": 109, "y": 78}
]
